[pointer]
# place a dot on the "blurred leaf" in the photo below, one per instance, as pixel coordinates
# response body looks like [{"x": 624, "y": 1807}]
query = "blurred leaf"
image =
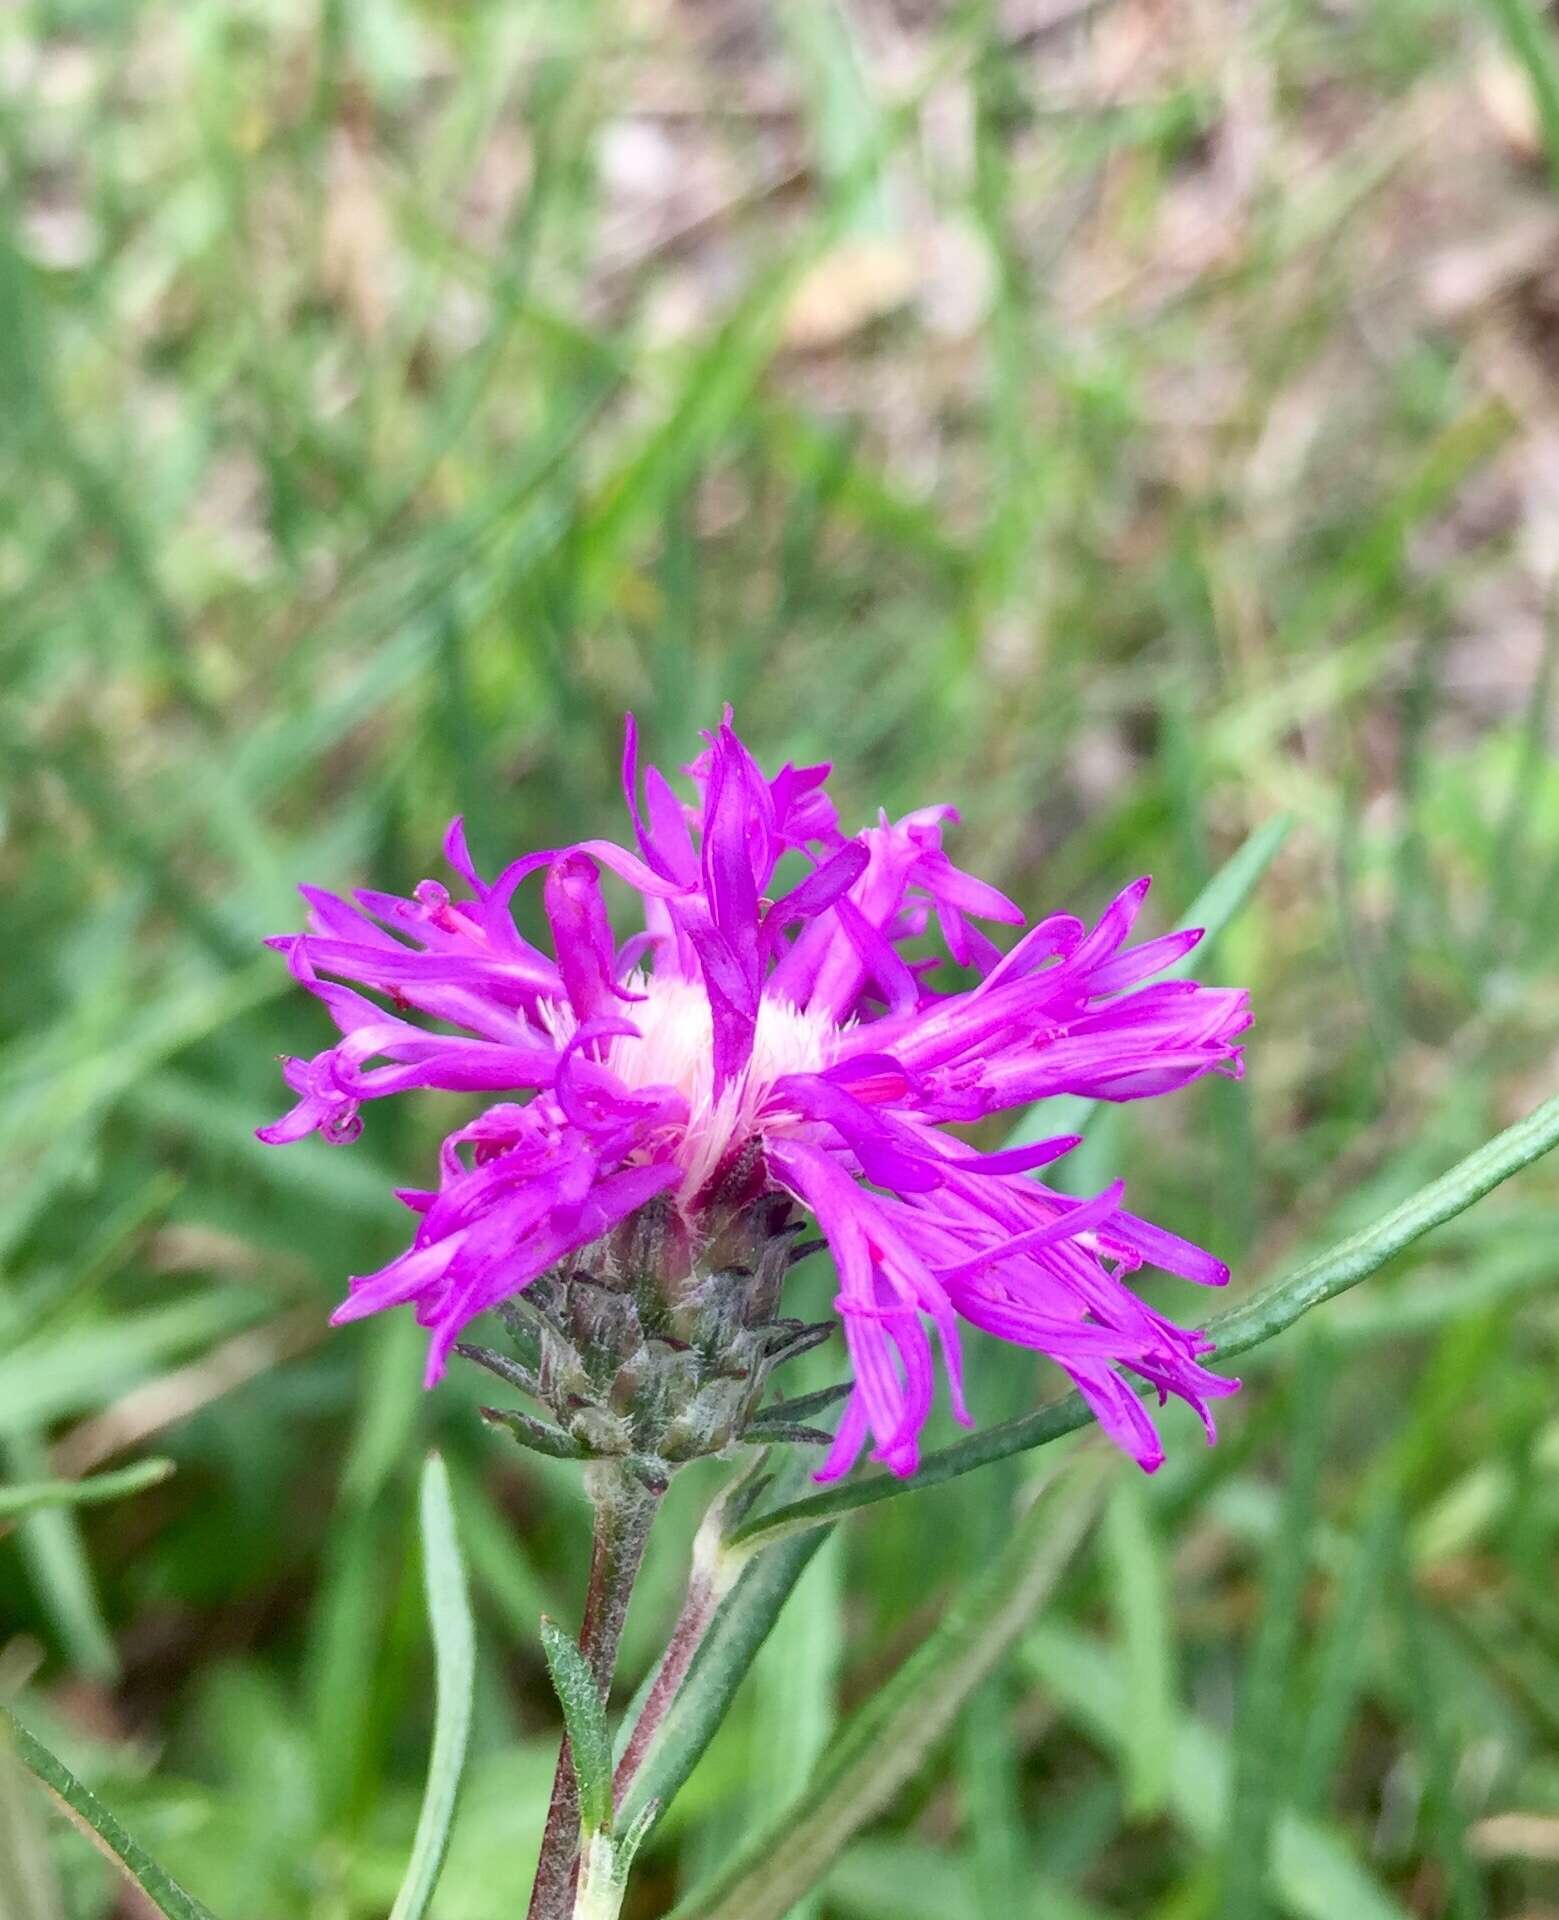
[
  {"x": 56, "y": 1557},
  {"x": 1530, "y": 35},
  {"x": 454, "y": 1647},
  {"x": 905, "y": 1879},
  {"x": 1140, "y": 1599},
  {"x": 1314, "y": 1874},
  {"x": 73, "y": 1368},
  {"x": 1262, "y": 1746},
  {"x": 1340, "y": 1654},
  {"x": 795, "y": 1681},
  {"x": 346, "y": 1653},
  {"x": 17, "y": 1501}
]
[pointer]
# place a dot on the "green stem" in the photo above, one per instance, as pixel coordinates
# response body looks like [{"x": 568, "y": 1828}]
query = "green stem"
[{"x": 624, "y": 1512}]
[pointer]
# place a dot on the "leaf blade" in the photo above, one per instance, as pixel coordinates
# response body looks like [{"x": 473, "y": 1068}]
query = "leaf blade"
[
  {"x": 159, "y": 1886},
  {"x": 454, "y": 1646},
  {"x": 32, "y": 1496},
  {"x": 589, "y": 1741}
]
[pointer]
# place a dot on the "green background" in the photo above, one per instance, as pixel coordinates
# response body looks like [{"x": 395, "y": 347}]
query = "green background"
[{"x": 1130, "y": 422}]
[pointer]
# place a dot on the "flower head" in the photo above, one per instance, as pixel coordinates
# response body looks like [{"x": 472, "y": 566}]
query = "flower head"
[{"x": 786, "y": 1036}]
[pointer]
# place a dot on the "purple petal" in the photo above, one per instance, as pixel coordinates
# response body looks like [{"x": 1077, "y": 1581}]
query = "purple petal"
[{"x": 581, "y": 934}]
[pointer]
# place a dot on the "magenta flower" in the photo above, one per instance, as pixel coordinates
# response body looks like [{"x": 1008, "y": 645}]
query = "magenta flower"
[{"x": 794, "y": 1026}]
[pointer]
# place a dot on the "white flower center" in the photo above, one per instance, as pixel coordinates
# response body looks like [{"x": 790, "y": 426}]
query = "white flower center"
[{"x": 675, "y": 1048}]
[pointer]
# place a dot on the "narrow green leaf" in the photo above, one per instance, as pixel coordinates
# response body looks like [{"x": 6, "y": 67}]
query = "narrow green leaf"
[
  {"x": 57, "y": 1563},
  {"x": 104, "y": 1251},
  {"x": 795, "y": 1692},
  {"x": 1261, "y": 1743},
  {"x": 388, "y": 1409},
  {"x": 346, "y": 1651},
  {"x": 889, "y": 1738},
  {"x": 159, "y": 1886},
  {"x": 1229, "y": 889},
  {"x": 905, "y": 1879},
  {"x": 1277, "y": 1307},
  {"x": 1530, "y": 36},
  {"x": 454, "y": 1649},
  {"x": 990, "y": 1792},
  {"x": 1339, "y": 1657},
  {"x": 786, "y": 1413},
  {"x": 846, "y": 124},
  {"x": 1140, "y": 1600},
  {"x": 32, "y": 1496},
  {"x": 585, "y": 1718},
  {"x": 1511, "y": 877},
  {"x": 537, "y": 1435},
  {"x": 1440, "y": 1742},
  {"x": 76, "y": 1369},
  {"x": 28, "y": 1889},
  {"x": 634, "y": 1836},
  {"x": 1269, "y": 1312}
]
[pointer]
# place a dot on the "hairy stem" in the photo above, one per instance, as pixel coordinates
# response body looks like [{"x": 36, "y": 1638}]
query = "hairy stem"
[
  {"x": 715, "y": 1570},
  {"x": 624, "y": 1511},
  {"x": 704, "y": 1595}
]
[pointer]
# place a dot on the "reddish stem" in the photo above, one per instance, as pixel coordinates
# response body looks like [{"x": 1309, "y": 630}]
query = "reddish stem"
[
  {"x": 624, "y": 1511},
  {"x": 698, "y": 1610}
]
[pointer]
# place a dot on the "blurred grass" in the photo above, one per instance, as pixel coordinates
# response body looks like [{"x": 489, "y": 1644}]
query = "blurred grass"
[{"x": 1128, "y": 423}]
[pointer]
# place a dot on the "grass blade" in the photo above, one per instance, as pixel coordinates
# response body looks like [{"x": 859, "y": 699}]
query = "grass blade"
[
  {"x": 795, "y": 1686},
  {"x": 1139, "y": 1592},
  {"x": 1261, "y": 1746},
  {"x": 1361, "y": 1254},
  {"x": 1228, "y": 890},
  {"x": 740, "y": 1629},
  {"x": 454, "y": 1648},
  {"x": 26, "y": 1871},
  {"x": 1531, "y": 40},
  {"x": 1340, "y": 1655},
  {"x": 56, "y": 1558},
  {"x": 1314, "y": 1872},
  {"x": 159, "y": 1886},
  {"x": 34, "y": 1495}
]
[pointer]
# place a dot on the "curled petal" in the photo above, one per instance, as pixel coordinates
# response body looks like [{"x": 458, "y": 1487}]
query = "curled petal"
[
  {"x": 582, "y": 934},
  {"x": 890, "y": 1156},
  {"x": 458, "y": 854}
]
